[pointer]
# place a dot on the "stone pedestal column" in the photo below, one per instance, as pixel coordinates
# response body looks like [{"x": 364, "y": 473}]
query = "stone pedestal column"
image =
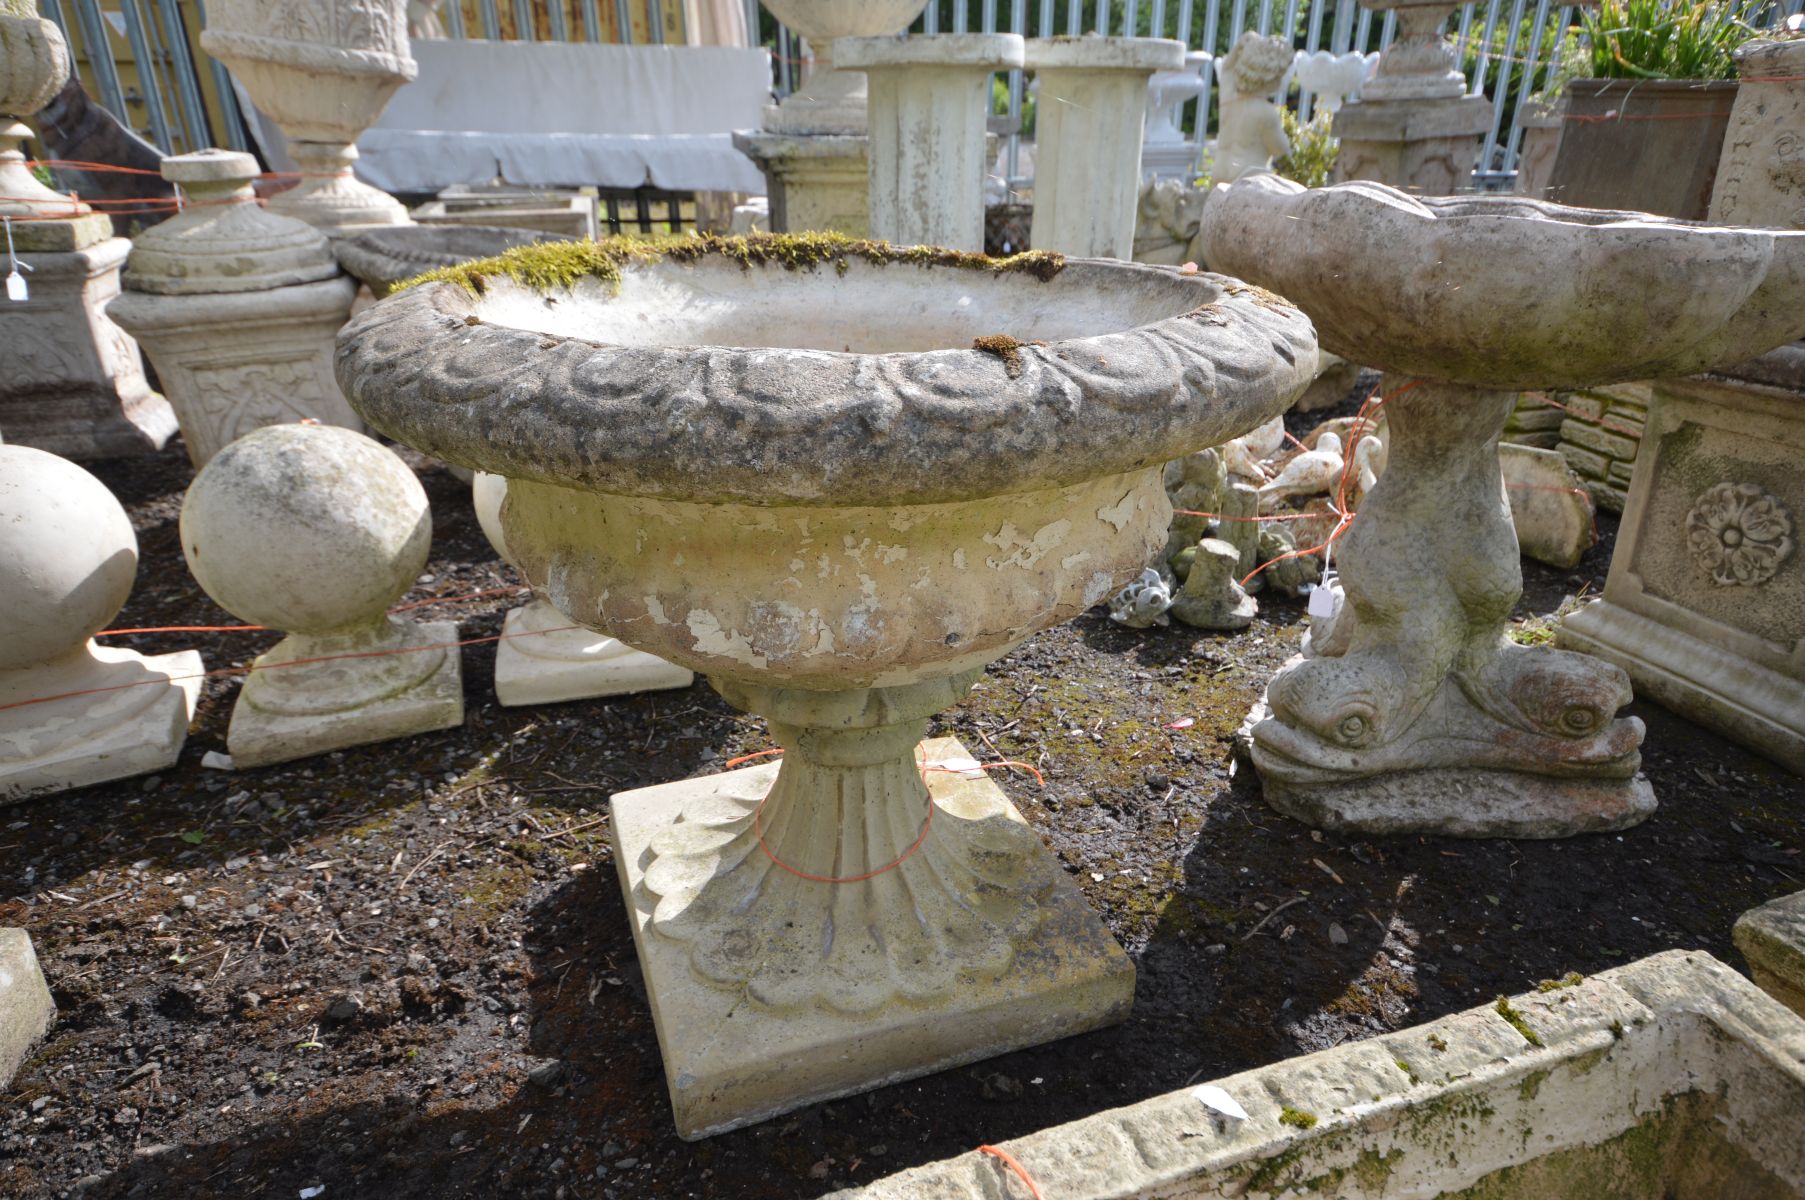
[
  {"x": 322, "y": 71},
  {"x": 73, "y": 384},
  {"x": 1413, "y": 695},
  {"x": 929, "y": 99},
  {"x": 1415, "y": 126},
  {"x": 237, "y": 307},
  {"x": 815, "y": 181},
  {"x": 1089, "y": 118},
  {"x": 1703, "y": 600}
]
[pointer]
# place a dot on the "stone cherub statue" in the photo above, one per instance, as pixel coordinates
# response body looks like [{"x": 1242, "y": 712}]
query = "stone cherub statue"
[{"x": 1252, "y": 133}]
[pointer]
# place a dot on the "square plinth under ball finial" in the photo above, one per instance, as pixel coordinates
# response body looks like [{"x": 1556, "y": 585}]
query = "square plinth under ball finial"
[{"x": 731, "y": 1061}]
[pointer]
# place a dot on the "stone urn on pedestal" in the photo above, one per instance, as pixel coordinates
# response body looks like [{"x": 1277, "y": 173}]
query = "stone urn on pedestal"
[
  {"x": 322, "y": 70},
  {"x": 838, "y": 480},
  {"x": 1415, "y": 127},
  {"x": 1412, "y": 711},
  {"x": 73, "y": 384},
  {"x": 812, "y": 148},
  {"x": 1165, "y": 151}
]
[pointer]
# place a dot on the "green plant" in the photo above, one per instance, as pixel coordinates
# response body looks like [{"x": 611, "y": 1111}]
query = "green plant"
[
  {"x": 1311, "y": 159},
  {"x": 1658, "y": 39}
]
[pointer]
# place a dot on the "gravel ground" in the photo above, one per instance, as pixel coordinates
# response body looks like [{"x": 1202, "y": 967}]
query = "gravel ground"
[{"x": 405, "y": 970}]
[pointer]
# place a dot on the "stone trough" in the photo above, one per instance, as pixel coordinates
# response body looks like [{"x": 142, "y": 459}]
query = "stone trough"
[{"x": 1673, "y": 1077}]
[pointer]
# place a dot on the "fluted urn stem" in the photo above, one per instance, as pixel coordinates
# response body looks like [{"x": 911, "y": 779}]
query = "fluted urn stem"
[{"x": 841, "y": 887}]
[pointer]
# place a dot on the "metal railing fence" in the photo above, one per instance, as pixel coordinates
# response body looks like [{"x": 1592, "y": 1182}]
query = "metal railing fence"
[{"x": 142, "y": 59}]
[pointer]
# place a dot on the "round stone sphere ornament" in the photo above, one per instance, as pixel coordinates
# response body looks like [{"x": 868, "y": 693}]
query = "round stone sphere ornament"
[
  {"x": 72, "y": 712},
  {"x": 317, "y": 531}
]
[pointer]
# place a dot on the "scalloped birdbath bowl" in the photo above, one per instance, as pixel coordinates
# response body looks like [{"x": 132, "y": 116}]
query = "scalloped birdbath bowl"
[
  {"x": 1414, "y": 712},
  {"x": 806, "y": 483}
]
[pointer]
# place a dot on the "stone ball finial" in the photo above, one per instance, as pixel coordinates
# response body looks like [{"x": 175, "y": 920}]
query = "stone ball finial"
[
  {"x": 306, "y": 528},
  {"x": 69, "y": 556}
]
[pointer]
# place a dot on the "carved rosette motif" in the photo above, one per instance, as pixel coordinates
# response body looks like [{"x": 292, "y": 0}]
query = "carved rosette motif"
[{"x": 1740, "y": 533}]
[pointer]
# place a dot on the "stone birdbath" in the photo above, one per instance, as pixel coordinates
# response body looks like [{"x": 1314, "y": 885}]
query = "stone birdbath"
[
  {"x": 837, "y": 478},
  {"x": 1413, "y": 711}
]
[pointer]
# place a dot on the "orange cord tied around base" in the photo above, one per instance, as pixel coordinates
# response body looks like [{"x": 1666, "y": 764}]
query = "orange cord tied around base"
[{"x": 926, "y": 823}]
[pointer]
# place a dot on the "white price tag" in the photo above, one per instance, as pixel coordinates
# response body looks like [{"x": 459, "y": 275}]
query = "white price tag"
[
  {"x": 16, "y": 288},
  {"x": 1322, "y": 601}
]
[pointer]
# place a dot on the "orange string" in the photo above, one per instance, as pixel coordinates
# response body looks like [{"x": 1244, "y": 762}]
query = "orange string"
[{"x": 1021, "y": 1171}]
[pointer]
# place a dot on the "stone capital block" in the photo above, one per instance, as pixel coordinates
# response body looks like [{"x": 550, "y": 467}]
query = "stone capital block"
[{"x": 815, "y": 181}]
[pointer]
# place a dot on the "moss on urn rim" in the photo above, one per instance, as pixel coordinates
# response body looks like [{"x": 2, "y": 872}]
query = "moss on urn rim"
[{"x": 562, "y": 265}]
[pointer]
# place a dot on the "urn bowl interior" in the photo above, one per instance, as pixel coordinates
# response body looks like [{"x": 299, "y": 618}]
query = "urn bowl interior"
[{"x": 857, "y": 308}]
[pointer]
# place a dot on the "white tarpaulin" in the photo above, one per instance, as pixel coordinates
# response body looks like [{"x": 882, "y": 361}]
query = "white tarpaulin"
[{"x": 567, "y": 114}]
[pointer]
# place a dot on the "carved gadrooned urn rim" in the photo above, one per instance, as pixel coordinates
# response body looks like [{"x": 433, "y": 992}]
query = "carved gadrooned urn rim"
[
  {"x": 1505, "y": 292},
  {"x": 773, "y": 425}
]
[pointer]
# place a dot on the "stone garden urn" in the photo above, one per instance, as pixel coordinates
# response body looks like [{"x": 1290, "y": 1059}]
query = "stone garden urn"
[
  {"x": 837, "y": 478},
  {"x": 832, "y": 100},
  {"x": 322, "y": 70},
  {"x": 1413, "y": 710},
  {"x": 34, "y": 64}
]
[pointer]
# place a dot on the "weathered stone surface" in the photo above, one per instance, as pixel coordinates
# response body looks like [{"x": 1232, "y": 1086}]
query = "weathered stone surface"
[
  {"x": 1671, "y": 1076},
  {"x": 1772, "y": 938},
  {"x": 1704, "y": 599},
  {"x": 26, "y": 1009},
  {"x": 831, "y": 100},
  {"x": 74, "y": 713},
  {"x": 223, "y": 240},
  {"x": 1212, "y": 597},
  {"x": 34, "y": 65},
  {"x": 815, "y": 182},
  {"x": 929, "y": 101},
  {"x": 842, "y": 540},
  {"x": 1252, "y": 134},
  {"x": 316, "y": 531},
  {"x": 1550, "y": 508},
  {"x": 805, "y": 1018},
  {"x": 1140, "y": 365},
  {"x": 1385, "y": 296},
  {"x": 74, "y": 385},
  {"x": 542, "y": 658},
  {"x": 382, "y": 258},
  {"x": 1166, "y": 153},
  {"x": 1761, "y": 178},
  {"x": 1090, "y": 116},
  {"x": 238, "y": 361},
  {"x": 323, "y": 72},
  {"x": 1415, "y": 674}
]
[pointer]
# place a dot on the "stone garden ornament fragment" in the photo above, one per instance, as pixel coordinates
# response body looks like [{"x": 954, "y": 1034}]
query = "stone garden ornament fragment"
[
  {"x": 1414, "y": 711},
  {"x": 323, "y": 70},
  {"x": 816, "y": 490},
  {"x": 73, "y": 712},
  {"x": 542, "y": 658},
  {"x": 316, "y": 530}
]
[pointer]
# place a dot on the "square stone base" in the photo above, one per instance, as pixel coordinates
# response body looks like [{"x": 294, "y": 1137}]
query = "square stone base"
[
  {"x": 257, "y": 738},
  {"x": 26, "y": 1008},
  {"x": 728, "y": 1064},
  {"x": 523, "y": 677},
  {"x": 150, "y": 739}
]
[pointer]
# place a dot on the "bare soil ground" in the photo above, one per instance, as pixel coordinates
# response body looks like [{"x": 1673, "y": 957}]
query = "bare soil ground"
[{"x": 404, "y": 971}]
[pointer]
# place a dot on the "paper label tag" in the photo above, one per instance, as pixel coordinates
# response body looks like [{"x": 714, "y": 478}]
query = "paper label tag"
[
  {"x": 960, "y": 766},
  {"x": 16, "y": 288},
  {"x": 1322, "y": 601}
]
